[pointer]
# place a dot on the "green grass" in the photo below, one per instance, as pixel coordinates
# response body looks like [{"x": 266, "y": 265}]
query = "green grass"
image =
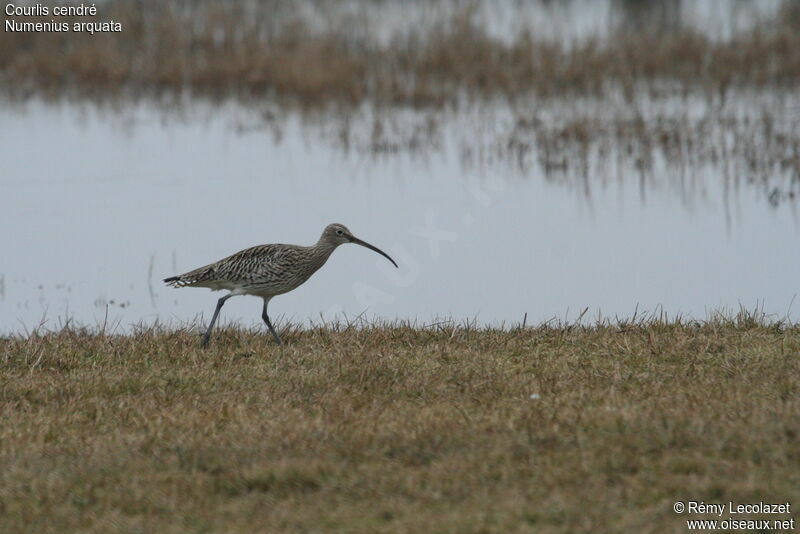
[{"x": 396, "y": 429}]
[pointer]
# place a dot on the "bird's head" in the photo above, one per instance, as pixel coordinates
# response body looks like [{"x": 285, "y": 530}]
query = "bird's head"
[{"x": 337, "y": 234}]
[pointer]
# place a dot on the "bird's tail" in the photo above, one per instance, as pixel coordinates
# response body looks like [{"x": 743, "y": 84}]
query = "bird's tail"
[
  {"x": 198, "y": 277},
  {"x": 175, "y": 281}
]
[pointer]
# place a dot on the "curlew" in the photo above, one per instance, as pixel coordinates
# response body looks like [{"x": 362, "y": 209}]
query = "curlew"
[{"x": 267, "y": 270}]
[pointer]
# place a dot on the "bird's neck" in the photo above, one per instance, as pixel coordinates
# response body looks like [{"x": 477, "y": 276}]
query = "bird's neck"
[{"x": 322, "y": 251}]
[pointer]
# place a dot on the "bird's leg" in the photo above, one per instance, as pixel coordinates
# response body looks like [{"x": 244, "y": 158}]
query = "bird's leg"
[
  {"x": 207, "y": 335},
  {"x": 269, "y": 324}
]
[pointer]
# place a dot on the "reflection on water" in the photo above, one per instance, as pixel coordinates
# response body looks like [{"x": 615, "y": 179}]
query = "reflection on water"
[
  {"x": 664, "y": 16},
  {"x": 667, "y": 146},
  {"x": 99, "y": 206},
  {"x": 561, "y": 19}
]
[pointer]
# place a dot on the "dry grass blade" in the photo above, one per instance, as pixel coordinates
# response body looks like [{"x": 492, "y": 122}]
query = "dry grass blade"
[{"x": 392, "y": 428}]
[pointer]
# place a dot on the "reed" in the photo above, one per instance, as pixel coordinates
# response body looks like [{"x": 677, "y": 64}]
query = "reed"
[{"x": 214, "y": 49}]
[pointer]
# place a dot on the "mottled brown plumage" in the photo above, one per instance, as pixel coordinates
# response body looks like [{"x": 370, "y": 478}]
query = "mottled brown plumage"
[
  {"x": 264, "y": 270},
  {"x": 267, "y": 270}
]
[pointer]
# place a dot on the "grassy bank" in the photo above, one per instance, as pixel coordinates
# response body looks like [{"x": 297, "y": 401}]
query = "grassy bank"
[
  {"x": 396, "y": 429},
  {"x": 235, "y": 48}
]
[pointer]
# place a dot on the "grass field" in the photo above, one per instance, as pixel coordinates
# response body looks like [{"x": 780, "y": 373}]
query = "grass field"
[{"x": 397, "y": 429}]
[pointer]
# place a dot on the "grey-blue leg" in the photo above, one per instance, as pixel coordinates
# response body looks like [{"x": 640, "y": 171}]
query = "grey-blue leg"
[
  {"x": 269, "y": 324},
  {"x": 207, "y": 335}
]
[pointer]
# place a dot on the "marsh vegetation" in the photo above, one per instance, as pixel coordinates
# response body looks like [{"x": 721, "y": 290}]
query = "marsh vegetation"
[
  {"x": 317, "y": 54},
  {"x": 386, "y": 82}
]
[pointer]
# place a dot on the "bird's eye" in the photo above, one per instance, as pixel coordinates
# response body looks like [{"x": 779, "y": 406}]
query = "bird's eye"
[{"x": 339, "y": 232}]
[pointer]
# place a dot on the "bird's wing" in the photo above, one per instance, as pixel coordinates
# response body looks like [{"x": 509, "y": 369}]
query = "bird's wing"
[
  {"x": 256, "y": 262},
  {"x": 246, "y": 265}
]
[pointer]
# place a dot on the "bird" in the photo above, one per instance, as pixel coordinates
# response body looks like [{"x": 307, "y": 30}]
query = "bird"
[{"x": 267, "y": 270}]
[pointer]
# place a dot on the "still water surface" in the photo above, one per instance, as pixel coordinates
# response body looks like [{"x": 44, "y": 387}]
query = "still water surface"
[{"x": 98, "y": 206}]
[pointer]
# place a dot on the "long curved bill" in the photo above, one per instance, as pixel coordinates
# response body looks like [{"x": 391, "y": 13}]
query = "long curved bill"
[{"x": 357, "y": 241}]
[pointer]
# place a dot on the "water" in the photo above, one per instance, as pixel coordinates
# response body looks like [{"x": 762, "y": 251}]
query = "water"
[
  {"x": 565, "y": 20},
  {"x": 99, "y": 205}
]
